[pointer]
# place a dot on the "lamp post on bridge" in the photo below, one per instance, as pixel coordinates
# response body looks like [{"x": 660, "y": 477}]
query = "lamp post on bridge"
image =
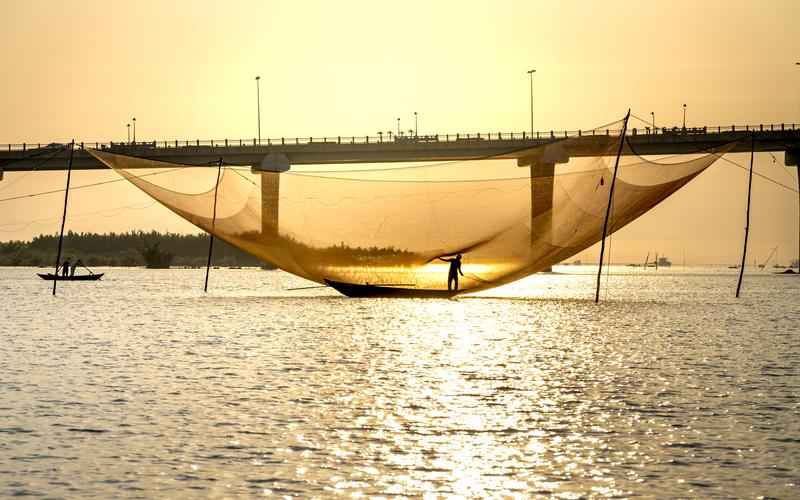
[
  {"x": 684, "y": 117},
  {"x": 653, "y": 115},
  {"x": 398, "y": 127},
  {"x": 797, "y": 64},
  {"x": 798, "y": 206},
  {"x": 530, "y": 73},
  {"x": 134, "y": 129},
  {"x": 129, "y": 132},
  {"x": 258, "y": 106},
  {"x": 415, "y": 125}
]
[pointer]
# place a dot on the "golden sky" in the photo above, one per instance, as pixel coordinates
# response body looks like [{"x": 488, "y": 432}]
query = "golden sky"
[{"x": 185, "y": 70}]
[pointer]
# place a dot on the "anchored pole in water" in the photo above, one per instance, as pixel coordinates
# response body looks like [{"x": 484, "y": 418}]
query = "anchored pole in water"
[
  {"x": 213, "y": 222},
  {"x": 64, "y": 216},
  {"x": 608, "y": 208},
  {"x": 747, "y": 216}
]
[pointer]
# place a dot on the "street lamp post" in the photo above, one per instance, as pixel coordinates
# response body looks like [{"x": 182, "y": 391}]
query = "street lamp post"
[
  {"x": 684, "y": 117},
  {"x": 134, "y": 130},
  {"x": 797, "y": 64},
  {"x": 258, "y": 106},
  {"x": 531, "y": 72},
  {"x": 129, "y": 132},
  {"x": 798, "y": 206},
  {"x": 415, "y": 124},
  {"x": 653, "y": 115},
  {"x": 398, "y": 127}
]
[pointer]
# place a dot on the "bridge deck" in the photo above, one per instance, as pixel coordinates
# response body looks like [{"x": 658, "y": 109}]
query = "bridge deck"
[{"x": 340, "y": 150}]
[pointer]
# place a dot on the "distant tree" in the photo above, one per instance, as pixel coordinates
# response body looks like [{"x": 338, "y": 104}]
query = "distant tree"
[{"x": 154, "y": 257}]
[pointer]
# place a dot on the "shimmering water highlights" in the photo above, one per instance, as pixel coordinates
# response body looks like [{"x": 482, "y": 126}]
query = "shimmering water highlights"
[{"x": 140, "y": 385}]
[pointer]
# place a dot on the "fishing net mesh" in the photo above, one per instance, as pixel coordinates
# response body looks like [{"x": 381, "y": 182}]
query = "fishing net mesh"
[{"x": 509, "y": 215}]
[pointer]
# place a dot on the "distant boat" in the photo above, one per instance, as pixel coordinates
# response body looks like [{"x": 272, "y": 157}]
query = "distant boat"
[
  {"x": 658, "y": 262},
  {"x": 395, "y": 291},
  {"x": 81, "y": 277}
]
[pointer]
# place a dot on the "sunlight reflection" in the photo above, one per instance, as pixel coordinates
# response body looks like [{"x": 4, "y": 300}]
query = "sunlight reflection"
[{"x": 475, "y": 409}]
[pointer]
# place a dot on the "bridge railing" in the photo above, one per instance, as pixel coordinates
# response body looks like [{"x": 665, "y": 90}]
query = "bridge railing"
[{"x": 410, "y": 138}]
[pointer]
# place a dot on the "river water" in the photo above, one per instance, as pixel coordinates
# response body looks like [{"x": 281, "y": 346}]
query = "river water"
[{"x": 141, "y": 385}]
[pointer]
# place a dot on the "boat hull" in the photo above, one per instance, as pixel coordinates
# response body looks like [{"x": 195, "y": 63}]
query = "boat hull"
[
  {"x": 367, "y": 290},
  {"x": 82, "y": 277}
]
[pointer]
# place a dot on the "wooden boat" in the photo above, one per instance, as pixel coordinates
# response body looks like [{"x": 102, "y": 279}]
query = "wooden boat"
[
  {"x": 80, "y": 277},
  {"x": 396, "y": 291}
]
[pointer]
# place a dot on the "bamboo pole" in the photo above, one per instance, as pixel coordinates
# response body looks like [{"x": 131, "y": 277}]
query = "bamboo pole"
[
  {"x": 608, "y": 208},
  {"x": 747, "y": 213},
  {"x": 213, "y": 222},
  {"x": 64, "y": 215}
]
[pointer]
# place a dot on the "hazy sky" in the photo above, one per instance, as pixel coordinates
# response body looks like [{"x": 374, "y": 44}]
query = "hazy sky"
[{"x": 186, "y": 70}]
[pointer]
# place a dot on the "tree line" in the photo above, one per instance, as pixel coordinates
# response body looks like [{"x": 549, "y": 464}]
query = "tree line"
[{"x": 133, "y": 248}]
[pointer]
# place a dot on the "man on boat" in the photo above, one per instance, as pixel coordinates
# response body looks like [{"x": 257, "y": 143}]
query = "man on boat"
[
  {"x": 65, "y": 268},
  {"x": 75, "y": 266},
  {"x": 455, "y": 270}
]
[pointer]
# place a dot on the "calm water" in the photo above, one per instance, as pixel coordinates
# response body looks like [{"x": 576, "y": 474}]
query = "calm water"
[{"x": 140, "y": 385}]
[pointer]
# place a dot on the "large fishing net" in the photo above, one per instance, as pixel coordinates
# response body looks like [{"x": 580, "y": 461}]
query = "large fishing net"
[{"x": 509, "y": 215}]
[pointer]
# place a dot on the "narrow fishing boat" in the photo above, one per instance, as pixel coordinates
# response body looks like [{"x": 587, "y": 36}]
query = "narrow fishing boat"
[
  {"x": 82, "y": 277},
  {"x": 389, "y": 290}
]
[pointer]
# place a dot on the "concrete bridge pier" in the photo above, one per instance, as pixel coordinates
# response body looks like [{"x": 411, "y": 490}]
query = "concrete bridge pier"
[
  {"x": 270, "y": 196},
  {"x": 270, "y": 170},
  {"x": 792, "y": 159},
  {"x": 542, "y": 201},
  {"x": 542, "y": 164}
]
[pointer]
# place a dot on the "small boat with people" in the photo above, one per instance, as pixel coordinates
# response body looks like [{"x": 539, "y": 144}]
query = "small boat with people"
[
  {"x": 66, "y": 272},
  {"x": 79, "y": 277}
]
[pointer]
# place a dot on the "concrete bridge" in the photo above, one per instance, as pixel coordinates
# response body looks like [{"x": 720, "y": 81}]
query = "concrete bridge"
[
  {"x": 280, "y": 154},
  {"x": 276, "y": 155}
]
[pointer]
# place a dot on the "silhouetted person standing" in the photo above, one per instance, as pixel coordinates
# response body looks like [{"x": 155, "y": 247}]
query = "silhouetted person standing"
[
  {"x": 455, "y": 270},
  {"x": 75, "y": 266},
  {"x": 65, "y": 268}
]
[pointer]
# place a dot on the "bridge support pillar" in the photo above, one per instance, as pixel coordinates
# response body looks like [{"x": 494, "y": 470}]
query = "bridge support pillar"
[
  {"x": 792, "y": 157},
  {"x": 542, "y": 203},
  {"x": 542, "y": 163},
  {"x": 270, "y": 196},
  {"x": 1, "y": 174},
  {"x": 270, "y": 169}
]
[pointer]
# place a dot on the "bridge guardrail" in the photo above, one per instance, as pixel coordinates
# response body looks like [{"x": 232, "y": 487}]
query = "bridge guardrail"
[{"x": 401, "y": 139}]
